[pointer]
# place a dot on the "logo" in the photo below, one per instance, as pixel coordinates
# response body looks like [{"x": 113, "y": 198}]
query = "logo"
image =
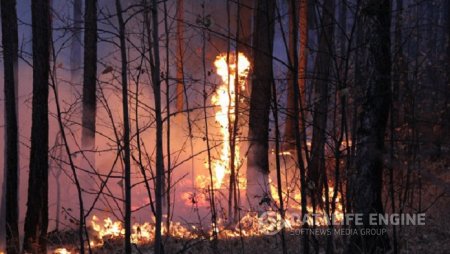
[{"x": 271, "y": 222}]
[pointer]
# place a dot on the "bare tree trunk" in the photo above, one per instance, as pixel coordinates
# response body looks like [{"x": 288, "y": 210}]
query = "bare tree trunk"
[
  {"x": 302, "y": 8},
  {"x": 368, "y": 182},
  {"x": 81, "y": 222},
  {"x": 289, "y": 135},
  {"x": 156, "y": 84},
  {"x": 89, "y": 98},
  {"x": 303, "y": 52},
  {"x": 278, "y": 165},
  {"x": 167, "y": 190},
  {"x": 180, "y": 55},
  {"x": 297, "y": 109},
  {"x": 211, "y": 191},
  {"x": 322, "y": 71},
  {"x": 75, "y": 47},
  {"x": 258, "y": 162},
  {"x": 399, "y": 72},
  {"x": 126, "y": 131},
  {"x": 90, "y": 76},
  {"x": 245, "y": 26},
  {"x": 36, "y": 219},
  {"x": 11, "y": 170}
]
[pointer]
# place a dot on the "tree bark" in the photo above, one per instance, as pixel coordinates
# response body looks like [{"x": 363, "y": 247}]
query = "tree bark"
[
  {"x": 11, "y": 170},
  {"x": 36, "y": 219},
  {"x": 153, "y": 40},
  {"x": 126, "y": 127},
  {"x": 89, "y": 75},
  {"x": 245, "y": 26},
  {"x": 180, "y": 55},
  {"x": 289, "y": 133},
  {"x": 258, "y": 162},
  {"x": 368, "y": 181},
  {"x": 322, "y": 68}
]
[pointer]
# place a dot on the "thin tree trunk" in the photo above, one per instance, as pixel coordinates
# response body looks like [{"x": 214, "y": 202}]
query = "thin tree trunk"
[
  {"x": 289, "y": 135},
  {"x": 368, "y": 182},
  {"x": 180, "y": 55},
  {"x": 75, "y": 49},
  {"x": 11, "y": 170},
  {"x": 298, "y": 141},
  {"x": 322, "y": 78},
  {"x": 36, "y": 219},
  {"x": 126, "y": 131},
  {"x": 257, "y": 161},
  {"x": 211, "y": 190},
  {"x": 278, "y": 165},
  {"x": 156, "y": 83},
  {"x": 302, "y": 8},
  {"x": 81, "y": 222},
  {"x": 168, "y": 143},
  {"x": 399, "y": 75}
]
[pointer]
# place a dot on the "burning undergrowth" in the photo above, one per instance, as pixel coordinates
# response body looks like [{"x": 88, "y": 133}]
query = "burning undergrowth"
[{"x": 192, "y": 223}]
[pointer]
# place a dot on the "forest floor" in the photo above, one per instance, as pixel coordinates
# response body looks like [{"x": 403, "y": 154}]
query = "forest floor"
[{"x": 434, "y": 237}]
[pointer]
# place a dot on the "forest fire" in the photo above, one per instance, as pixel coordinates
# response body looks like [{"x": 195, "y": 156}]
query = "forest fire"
[
  {"x": 225, "y": 98},
  {"x": 224, "y": 126},
  {"x": 249, "y": 225},
  {"x": 109, "y": 230}
]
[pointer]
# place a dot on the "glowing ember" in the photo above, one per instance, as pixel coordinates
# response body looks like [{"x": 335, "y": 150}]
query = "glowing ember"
[
  {"x": 61, "y": 251},
  {"x": 225, "y": 98}
]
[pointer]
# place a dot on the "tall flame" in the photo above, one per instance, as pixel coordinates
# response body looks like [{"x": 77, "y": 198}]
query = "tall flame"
[{"x": 225, "y": 98}]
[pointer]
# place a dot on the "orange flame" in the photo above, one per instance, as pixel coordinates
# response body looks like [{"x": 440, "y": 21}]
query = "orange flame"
[
  {"x": 57, "y": 251},
  {"x": 225, "y": 98},
  {"x": 141, "y": 233}
]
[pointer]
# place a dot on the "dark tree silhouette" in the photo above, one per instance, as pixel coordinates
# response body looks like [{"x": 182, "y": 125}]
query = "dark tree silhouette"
[
  {"x": 153, "y": 40},
  {"x": 126, "y": 127},
  {"x": 258, "y": 161},
  {"x": 322, "y": 69},
  {"x": 89, "y": 75},
  {"x": 36, "y": 220},
  {"x": 11, "y": 171},
  {"x": 368, "y": 181}
]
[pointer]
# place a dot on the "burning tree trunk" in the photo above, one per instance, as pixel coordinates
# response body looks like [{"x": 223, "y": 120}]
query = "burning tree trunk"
[
  {"x": 90, "y": 76},
  {"x": 324, "y": 60},
  {"x": 36, "y": 220},
  {"x": 11, "y": 170},
  {"x": 368, "y": 181},
  {"x": 258, "y": 162},
  {"x": 126, "y": 131}
]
